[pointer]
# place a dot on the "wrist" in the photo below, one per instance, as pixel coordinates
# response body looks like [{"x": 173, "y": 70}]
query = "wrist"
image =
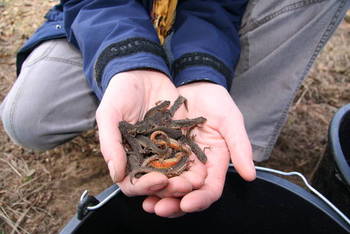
[
  {"x": 147, "y": 82},
  {"x": 106, "y": 70},
  {"x": 202, "y": 86}
]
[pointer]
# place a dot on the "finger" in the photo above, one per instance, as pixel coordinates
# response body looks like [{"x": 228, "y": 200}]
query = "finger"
[
  {"x": 147, "y": 184},
  {"x": 168, "y": 207},
  {"x": 196, "y": 174},
  {"x": 149, "y": 203},
  {"x": 239, "y": 146},
  {"x": 192, "y": 179},
  {"x": 111, "y": 142},
  {"x": 177, "y": 187},
  {"x": 212, "y": 189}
]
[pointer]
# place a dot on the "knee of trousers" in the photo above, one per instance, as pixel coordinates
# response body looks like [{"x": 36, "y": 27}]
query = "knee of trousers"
[
  {"x": 50, "y": 101},
  {"x": 25, "y": 126}
]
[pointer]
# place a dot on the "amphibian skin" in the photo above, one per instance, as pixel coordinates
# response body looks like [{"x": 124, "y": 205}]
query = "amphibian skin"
[{"x": 159, "y": 143}]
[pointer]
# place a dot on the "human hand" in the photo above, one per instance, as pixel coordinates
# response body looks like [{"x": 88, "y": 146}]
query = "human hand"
[
  {"x": 128, "y": 97},
  {"x": 224, "y": 134}
]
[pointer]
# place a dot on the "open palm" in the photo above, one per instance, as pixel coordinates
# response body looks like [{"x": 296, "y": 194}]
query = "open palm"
[
  {"x": 223, "y": 137},
  {"x": 128, "y": 97}
]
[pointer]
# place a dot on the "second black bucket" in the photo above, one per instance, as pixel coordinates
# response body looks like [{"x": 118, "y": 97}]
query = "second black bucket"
[
  {"x": 269, "y": 204},
  {"x": 332, "y": 178}
]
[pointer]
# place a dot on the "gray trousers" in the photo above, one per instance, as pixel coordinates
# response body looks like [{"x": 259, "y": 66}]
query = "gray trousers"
[{"x": 50, "y": 102}]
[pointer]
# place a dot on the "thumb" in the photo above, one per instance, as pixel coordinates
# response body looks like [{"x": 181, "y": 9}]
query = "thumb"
[
  {"x": 239, "y": 146},
  {"x": 111, "y": 142}
]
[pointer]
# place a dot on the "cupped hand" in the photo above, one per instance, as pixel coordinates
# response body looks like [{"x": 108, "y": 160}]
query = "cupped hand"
[
  {"x": 128, "y": 97},
  {"x": 222, "y": 136}
]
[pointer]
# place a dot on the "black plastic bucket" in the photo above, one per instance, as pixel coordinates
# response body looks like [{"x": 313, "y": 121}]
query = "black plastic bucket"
[
  {"x": 269, "y": 204},
  {"x": 332, "y": 178}
]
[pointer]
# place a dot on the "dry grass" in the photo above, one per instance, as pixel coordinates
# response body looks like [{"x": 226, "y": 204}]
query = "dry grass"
[{"x": 39, "y": 190}]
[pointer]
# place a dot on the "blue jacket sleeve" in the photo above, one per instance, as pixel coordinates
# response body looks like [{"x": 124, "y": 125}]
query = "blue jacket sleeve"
[
  {"x": 113, "y": 36},
  {"x": 205, "y": 43}
]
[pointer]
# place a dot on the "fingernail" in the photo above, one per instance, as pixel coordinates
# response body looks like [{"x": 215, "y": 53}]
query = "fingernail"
[
  {"x": 156, "y": 187},
  {"x": 112, "y": 172}
]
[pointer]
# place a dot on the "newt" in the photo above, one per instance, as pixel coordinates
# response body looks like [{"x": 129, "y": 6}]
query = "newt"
[{"x": 159, "y": 143}]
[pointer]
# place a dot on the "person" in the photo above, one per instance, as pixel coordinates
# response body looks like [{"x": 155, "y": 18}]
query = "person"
[{"x": 100, "y": 61}]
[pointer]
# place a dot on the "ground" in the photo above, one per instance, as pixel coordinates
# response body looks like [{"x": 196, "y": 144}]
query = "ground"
[{"x": 39, "y": 190}]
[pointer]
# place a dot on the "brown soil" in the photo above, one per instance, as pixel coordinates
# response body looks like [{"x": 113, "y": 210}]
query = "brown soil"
[{"x": 39, "y": 190}]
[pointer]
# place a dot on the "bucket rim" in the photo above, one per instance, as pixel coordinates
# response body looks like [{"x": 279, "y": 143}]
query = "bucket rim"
[
  {"x": 334, "y": 143},
  {"x": 297, "y": 190}
]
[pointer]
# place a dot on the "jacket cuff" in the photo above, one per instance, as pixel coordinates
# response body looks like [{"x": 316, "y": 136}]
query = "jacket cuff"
[
  {"x": 130, "y": 54},
  {"x": 199, "y": 73},
  {"x": 201, "y": 66}
]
